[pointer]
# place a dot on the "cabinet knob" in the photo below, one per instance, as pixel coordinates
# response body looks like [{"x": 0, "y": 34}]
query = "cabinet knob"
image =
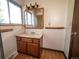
[{"x": 74, "y": 33}]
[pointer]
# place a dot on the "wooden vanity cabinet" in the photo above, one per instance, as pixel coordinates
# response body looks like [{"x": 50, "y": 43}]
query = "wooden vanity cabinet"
[{"x": 30, "y": 46}]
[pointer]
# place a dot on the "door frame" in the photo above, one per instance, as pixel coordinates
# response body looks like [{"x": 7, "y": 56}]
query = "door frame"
[
  {"x": 1, "y": 47},
  {"x": 72, "y": 35}
]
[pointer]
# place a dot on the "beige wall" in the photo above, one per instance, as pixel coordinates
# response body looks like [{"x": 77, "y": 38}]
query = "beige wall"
[
  {"x": 9, "y": 40},
  {"x": 70, "y": 8},
  {"x": 55, "y": 14}
]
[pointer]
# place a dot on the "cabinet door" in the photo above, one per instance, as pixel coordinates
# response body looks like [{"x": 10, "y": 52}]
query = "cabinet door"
[
  {"x": 33, "y": 49},
  {"x": 21, "y": 45},
  {"x": 18, "y": 44}
]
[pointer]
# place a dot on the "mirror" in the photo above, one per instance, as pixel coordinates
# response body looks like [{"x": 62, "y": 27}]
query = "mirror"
[{"x": 34, "y": 19}]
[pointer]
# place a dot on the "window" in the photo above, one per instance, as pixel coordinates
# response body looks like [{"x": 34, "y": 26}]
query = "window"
[
  {"x": 10, "y": 12},
  {"x": 28, "y": 18},
  {"x": 4, "y": 18},
  {"x": 15, "y": 13}
]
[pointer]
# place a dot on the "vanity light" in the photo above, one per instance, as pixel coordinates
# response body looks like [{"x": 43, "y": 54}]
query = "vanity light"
[{"x": 32, "y": 6}]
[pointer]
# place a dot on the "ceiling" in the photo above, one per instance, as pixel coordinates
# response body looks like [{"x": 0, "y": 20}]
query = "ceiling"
[{"x": 21, "y": 2}]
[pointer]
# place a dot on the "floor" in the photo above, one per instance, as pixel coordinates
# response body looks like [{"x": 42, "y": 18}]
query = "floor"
[{"x": 46, "y": 54}]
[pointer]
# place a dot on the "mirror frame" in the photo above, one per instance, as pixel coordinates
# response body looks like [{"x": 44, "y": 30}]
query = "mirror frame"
[{"x": 29, "y": 27}]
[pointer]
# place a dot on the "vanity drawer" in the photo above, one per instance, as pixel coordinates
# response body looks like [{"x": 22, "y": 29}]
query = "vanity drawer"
[
  {"x": 26, "y": 40},
  {"x": 36, "y": 41}
]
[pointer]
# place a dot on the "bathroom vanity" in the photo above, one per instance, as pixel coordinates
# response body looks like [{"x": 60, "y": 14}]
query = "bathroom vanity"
[{"x": 29, "y": 44}]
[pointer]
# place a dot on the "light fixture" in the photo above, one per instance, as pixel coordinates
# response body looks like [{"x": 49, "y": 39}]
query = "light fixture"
[{"x": 31, "y": 7}]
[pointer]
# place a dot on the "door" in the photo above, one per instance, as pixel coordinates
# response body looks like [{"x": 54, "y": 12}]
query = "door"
[{"x": 74, "y": 44}]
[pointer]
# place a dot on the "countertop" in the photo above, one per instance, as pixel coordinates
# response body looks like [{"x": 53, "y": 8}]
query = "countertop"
[{"x": 37, "y": 36}]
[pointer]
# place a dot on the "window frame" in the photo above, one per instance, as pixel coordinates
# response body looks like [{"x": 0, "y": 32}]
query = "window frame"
[
  {"x": 28, "y": 19},
  {"x": 28, "y": 25},
  {"x": 13, "y": 2}
]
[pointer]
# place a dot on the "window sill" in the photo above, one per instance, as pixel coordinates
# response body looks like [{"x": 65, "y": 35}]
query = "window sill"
[
  {"x": 54, "y": 27},
  {"x": 5, "y": 30},
  {"x": 10, "y": 24}
]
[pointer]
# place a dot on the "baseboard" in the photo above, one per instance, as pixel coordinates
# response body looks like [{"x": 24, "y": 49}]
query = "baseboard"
[
  {"x": 64, "y": 55},
  {"x": 55, "y": 51},
  {"x": 15, "y": 55},
  {"x": 12, "y": 56}
]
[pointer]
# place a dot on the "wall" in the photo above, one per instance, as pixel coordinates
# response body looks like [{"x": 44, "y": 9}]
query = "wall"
[
  {"x": 9, "y": 40},
  {"x": 55, "y": 14},
  {"x": 70, "y": 8}
]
